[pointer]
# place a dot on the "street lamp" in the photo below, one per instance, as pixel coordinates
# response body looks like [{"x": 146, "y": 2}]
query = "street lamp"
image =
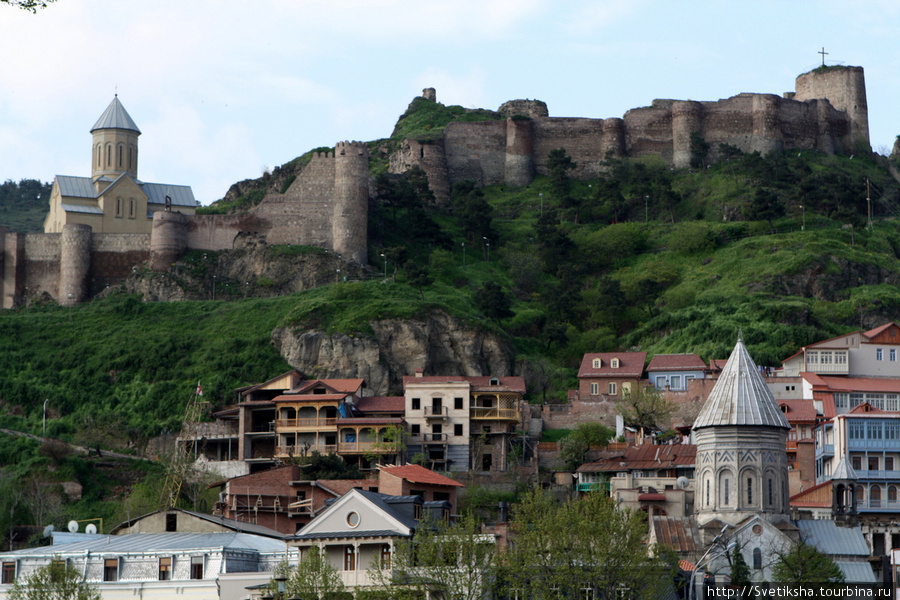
[
  {"x": 464, "y": 253},
  {"x": 385, "y": 264},
  {"x": 281, "y": 585},
  {"x": 692, "y": 592},
  {"x": 542, "y": 204},
  {"x": 803, "y": 216},
  {"x": 646, "y": 211},
  {"x": 337, "y": 275},
  {"x": 487, "y": 248},
  {"x": 44, "y": 425}
]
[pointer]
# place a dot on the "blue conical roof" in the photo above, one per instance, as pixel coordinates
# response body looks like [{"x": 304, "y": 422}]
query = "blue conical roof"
[
  {"x": 740, "y": 396},
  {"x": 115, "y": 117}
]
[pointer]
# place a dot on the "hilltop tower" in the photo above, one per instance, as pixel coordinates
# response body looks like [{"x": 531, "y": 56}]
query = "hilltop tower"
[
  {"x": 115, "y": 143},
  {"x": 845, "y": 88},
  {"x": 349, "y": 224},
  {"x": 741, "y": 458}
]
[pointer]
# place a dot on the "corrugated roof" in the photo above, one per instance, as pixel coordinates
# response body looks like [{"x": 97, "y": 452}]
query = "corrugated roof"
[
  {"x": 844, "y": 471},
  {"x": 678, "y": 533},
  {"x": 856, "y": 384},
  {"x": 646, "y": 456},
  {"x": 419, "y": 474},
  {"x": 830, "y": 539},
  {"x": 799, "y": 411},
  {"x": 740, "y": 396},
  {"x": 856, "y": 571},
  {"x": 348, "y": 534},
  {"x": 631, "y": 364},
  {"x": 477, "y": 383},
  {"x": 115, "y": 117},
  {"x": 341, "y": 386},
  {"x": 155, "y": 542},
  {"x": 676, "y": 362},
  {"x": 387, "y": 404}
]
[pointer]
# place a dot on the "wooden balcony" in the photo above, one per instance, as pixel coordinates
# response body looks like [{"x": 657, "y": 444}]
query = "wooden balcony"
[
  {"x": 494, "y": 414},
  {"x": 284, "y": 451},
  {"x": 360, "y": 447},
  {"x": 305, "y": 424}
]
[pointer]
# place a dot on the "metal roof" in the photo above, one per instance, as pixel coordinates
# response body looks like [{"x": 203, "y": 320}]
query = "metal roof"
[
  {"x": 138, "y": 543},
  {"x": 348, "y": 534},
  {"x": 740, "y": 396},
  {"x": 115, "y": 117},
  {"x": 181, "y": 195},
  {"x": 844, "y": 471},
  {"x": 856, "y": 572},
  {"x": 679, "y": 533},
  {"x": 78, "y": 187},
  {"x": 830, "y": 539},
  {"x": 81, "y": 208}
]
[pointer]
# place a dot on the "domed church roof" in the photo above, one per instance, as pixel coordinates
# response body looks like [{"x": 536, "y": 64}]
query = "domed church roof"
[
  {"x": 115, "y": 117},
  {"x": 740, "y": 396}
]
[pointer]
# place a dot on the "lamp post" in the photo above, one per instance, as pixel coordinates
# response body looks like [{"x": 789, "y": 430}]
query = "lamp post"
[
  {"x": 692, "y": 594},
  {"x": 464, "y": 253},
  {"x": 487, "y": 248},
  {"x": 214, "y": 287},
  {"x": 337, "y": 275},
  {"x": 646, "y": 209},
  {"x": 44, "y": 424},
  {"x": 803, "y": 217},
  {"x": 385, "y": 264},
  {"x": 542, "y": 203}
]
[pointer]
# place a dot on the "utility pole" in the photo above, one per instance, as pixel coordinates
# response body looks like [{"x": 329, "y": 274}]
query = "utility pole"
[{"x": 869, "y": 204}]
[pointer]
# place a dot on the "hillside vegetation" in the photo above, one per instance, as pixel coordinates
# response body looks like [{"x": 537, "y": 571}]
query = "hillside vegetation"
[{"x": 645, "y": 257}]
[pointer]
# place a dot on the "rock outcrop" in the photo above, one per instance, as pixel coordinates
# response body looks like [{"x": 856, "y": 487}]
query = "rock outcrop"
[{"x": 438, "y": 343}]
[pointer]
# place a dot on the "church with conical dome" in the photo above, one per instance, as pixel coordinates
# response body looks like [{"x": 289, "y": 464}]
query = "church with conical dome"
[{"x": 113, "y": 199}]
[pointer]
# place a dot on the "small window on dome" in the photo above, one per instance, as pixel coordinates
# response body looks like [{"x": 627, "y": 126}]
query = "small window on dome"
[
  {"x": 614, "y": 363},
  {"x": 784, "y": 408},
  {"x": 597, "y": 363}
]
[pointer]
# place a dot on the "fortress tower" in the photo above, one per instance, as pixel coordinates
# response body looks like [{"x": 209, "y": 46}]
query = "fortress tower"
[
  {"x": 741, "y": 458},
  {"x": 115, "y": 143},
  {"x": 349, "y": 224},
  {"x": 845, "y": 88}
]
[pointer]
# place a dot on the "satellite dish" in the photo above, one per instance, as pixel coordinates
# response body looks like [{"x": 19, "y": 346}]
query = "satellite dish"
[
  {"x": 682, "y": 482},
  {"x": 91, "y": 528},
  {"x": 48, "y": 530},
  {"x": 73, "y": 526}
]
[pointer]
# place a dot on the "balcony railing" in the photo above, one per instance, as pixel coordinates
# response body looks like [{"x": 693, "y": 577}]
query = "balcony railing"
[
  {"x": 434, "y": 437},
  {"x": 593, "y": 486},
  {"x": 435, "y": 412},
  {"x": 837, "y": 369},
  {"x": 374, "y": 447},
  {"x": 495, "y": 414},
  {"x": 298, "y": 450},
  {"x": 305, "y": 423}
]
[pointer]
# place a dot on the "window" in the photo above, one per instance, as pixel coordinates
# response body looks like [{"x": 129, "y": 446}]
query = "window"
[
  {"x": 892, "y": 355},
  {"x": 131, "y": 208},
  {"x": 458, "y": 429},
  {"x": 771, "y": 485},
  {"x": 856, "y": 431},
  {"x": 879, "y": 354},
  {"x": 812, "y": 357},
  {"x": 892, "y": 493},
  {"x": 485, "y": 429},
  {"x": 595, "y": 389},
  {"x": 118, "y": 207},
  {"x": 597, "y": 363},
  {"x": 707, "y": 492},
  {"x": 487, "y": 461},
  {"x": 856, "y": 462},
  {"x": 353, "y": 519},
  {"x": 165, "y": 568},
  {"x": 873, "y": 431},
  {"x": 613, "y": 389},
  {"x": 873, "y": 463},
  {"x": 676, "y": 382},
  {"x": 9, "y": 573},
  {"x": 111, "y": 569},
  {"x": 727, "y": 482},
  {"x": 196, "y": 567},
  {"x": 457, "y": 403},
  {"x": 416, "y": 403},
  {"x": 386, "y": 556},
  {"x": 437, "y": 428},
  {"x": 614, "y": 363},
  {"x": 121, "y": 154},
  {"x": 757, "y": 559},
  {"x": 415, "y": 429},
  {"x": 172, "y": 522},
  {"x": 749, "y": 490}
]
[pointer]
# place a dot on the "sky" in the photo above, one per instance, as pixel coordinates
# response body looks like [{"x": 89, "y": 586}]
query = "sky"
[{"x": 224, "y": 89}]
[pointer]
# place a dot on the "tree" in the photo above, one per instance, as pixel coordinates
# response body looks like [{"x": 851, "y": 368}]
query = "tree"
[
  {"x": 30, "y": 5},
  {"x": 314, "y": 578},
  {"x": 55, "y": 581},
  {"x": 442, "y": 560},
  {"x": 493, "y": 301},
  {"x": 473, "y": 211},
  {"x": 740, "y": 572},
  {"x": 417, "y": 276},
  {"x": 559, "y": 163},
  {"x": 805, "y": 564},
  {"x": 764, "y": 206},
  {"x": 389, "y": 442},
  {"x": 644, "y": 407},
  {"x": 575, "y": 446},
  {"x": 561, "y": 550}
]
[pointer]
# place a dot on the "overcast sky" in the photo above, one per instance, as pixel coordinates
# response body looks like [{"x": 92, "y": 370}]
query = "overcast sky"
[{"x": 222, "y": 89}]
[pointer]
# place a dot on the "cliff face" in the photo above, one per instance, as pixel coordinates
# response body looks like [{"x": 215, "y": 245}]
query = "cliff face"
[{"x": 439, "y": 343}]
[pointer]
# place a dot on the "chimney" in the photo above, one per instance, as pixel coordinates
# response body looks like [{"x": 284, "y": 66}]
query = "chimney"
[
  {"x": 420, "y": 372},
  {"x": 504, "y": 512}
]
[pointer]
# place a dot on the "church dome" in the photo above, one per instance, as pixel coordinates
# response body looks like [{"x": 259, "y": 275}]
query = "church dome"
[
  {"x": 115, "y": 117},
  {"x": 740, "y": 397}
]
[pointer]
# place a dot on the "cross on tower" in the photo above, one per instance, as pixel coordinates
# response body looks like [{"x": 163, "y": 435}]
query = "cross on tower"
[{"x": 823, "y": 53}]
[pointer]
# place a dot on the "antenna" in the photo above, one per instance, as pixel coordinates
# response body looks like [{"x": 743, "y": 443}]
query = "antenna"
[
  {"x": 682, "y": 482},
  {"x": 73, "y": 526},
  {"x": 91, "y": 529},
  {"x": 48, "y": 530}
]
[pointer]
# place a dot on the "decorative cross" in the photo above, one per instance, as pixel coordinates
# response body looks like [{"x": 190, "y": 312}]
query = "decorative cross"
[{"x": 823, "y": 53}]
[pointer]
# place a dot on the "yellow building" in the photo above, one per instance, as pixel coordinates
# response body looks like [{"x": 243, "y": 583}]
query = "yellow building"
[{"x": 113, "y": 199}]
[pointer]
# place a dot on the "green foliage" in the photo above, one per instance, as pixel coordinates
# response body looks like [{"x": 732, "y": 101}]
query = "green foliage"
[
  {"x": 24, "y": 205},
  {"x": 805, "y": 565},
  {"x": 326, "y": 466},
  {"x": 574, "y": 447},
  {"x": 313, "y": 578},
  {"x": 740, "y": 571},
  {"x": 643, "y": 406},
  {"x": 561, "y": 548},
  {"x": 473, "y": 212},
  {"x": 493, "y": 301},
  {"x": 55, "y": 581},
  {"x": 425, "y": 119}
]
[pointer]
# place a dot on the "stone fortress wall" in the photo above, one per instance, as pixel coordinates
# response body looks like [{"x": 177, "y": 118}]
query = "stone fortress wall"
[
  {"x": 327, "y": 203},
  {"x": 827, "y": 112}
]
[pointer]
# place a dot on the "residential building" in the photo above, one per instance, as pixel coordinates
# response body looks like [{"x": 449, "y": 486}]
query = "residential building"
[
  {"x": 157, "y": 566},
  {"x": 458, "y": 423},
  {"x": 113, "y": 199},
  {"x": 178, "y": 520},
  {"x": 608, "y": 375},
  {"x": 416, "y": 480},
  {"x": 802, "y": 417},
  {"x": 872, "y": 353},
  {"x": 675, "y": 371}
]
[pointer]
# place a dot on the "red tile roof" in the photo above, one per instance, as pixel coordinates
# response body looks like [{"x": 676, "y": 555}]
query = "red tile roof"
[
  {"x": 631, "y": 364},
  {"x": 369, "y": 421},
  {"x": 799, "y": 411},
  {"x": 418, "y": 474},
  {"x": 344, "y": 386},
  {"x": 855, "y": 384},
  {"x": 646, "y": 456},
  {"x": 717, "y": 364},
  {"x": 676, "y": 362},
  {"x": 878, "y": 330},
  {"x": 381, "y": 404},
  {"x": 307, "y": 397},
  {"x": 865, "y": 408}
]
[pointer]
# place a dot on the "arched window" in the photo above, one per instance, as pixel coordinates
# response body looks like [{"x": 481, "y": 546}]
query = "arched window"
[
  {"x": 770, "y": 491},
  {"x": 707, "y": 491},
  {"x": 131, "y": 157},
  {"x": 892, "y": 493},
  {"x": 875, "y": 496},
  {"x": 99, "y": 155},
  {"x": 749, "y": 490},
  {"x": 121, "y": 157},
  {"x": 109, "y": 155},
  {"x": 726, "y": 493},
  {"x": 757, "y": 559}
]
